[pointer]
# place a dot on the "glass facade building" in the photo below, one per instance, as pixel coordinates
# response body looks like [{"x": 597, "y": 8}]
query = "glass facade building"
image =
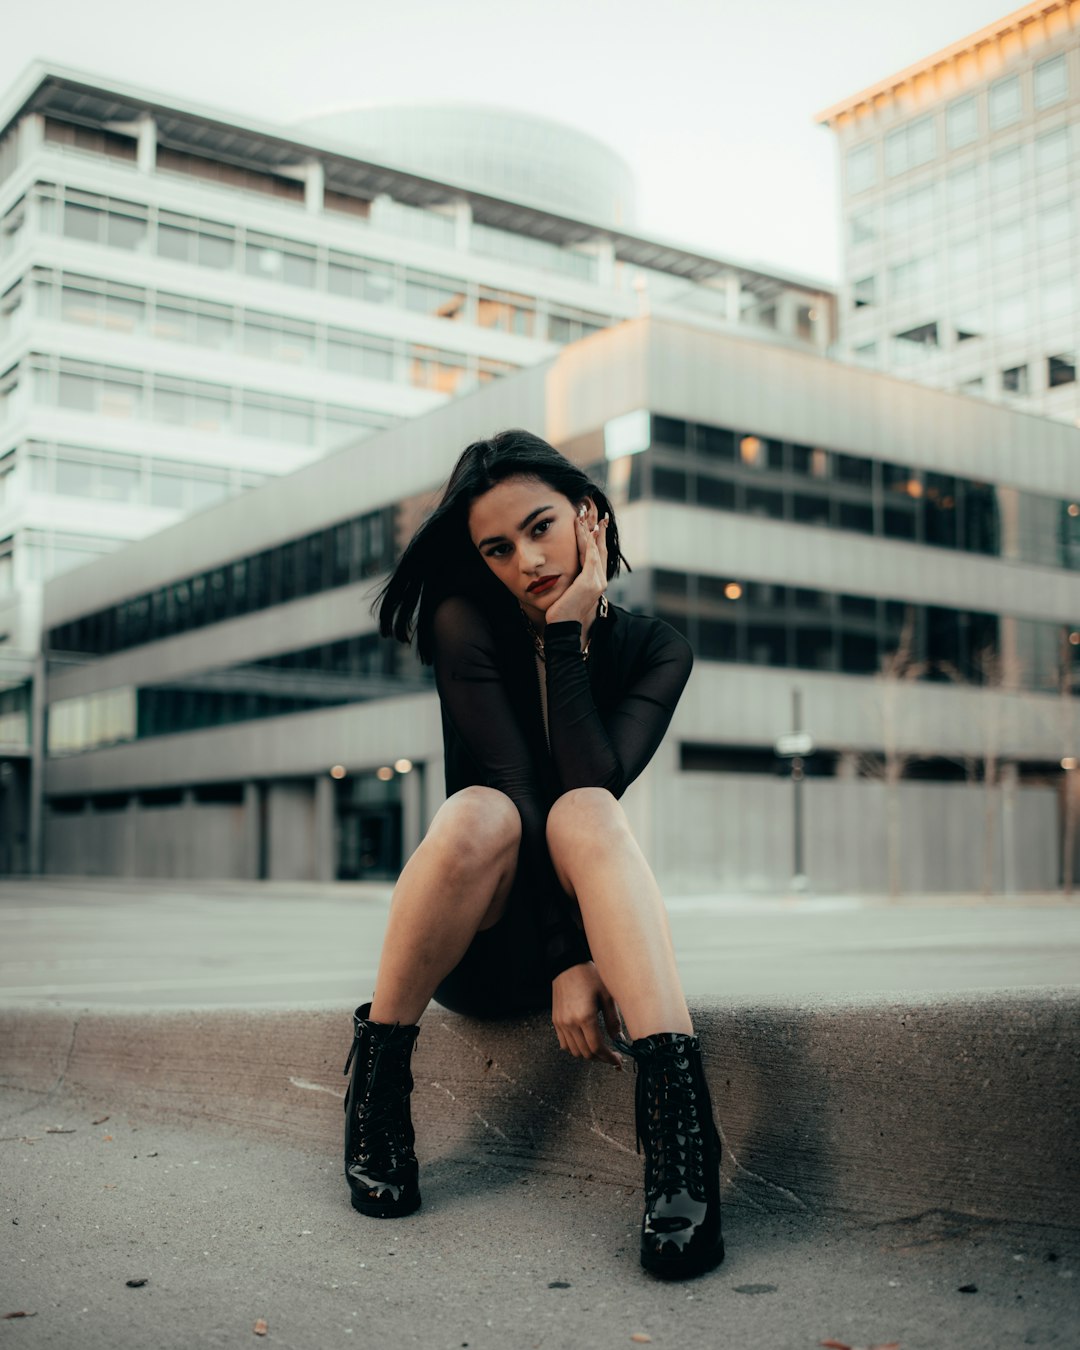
[{"x": 960, "y": 183}]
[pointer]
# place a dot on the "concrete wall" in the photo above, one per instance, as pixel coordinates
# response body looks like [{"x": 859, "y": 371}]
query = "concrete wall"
[
  {"x": 196, "y": 840},
  {"x": 701, "y": 832},
  {"x": 735, "y": 832},
  {"x": 290, "y": 831}
]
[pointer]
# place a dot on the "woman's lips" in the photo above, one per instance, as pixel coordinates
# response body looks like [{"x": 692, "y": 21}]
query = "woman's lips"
[{"x": 544, "y": 584}]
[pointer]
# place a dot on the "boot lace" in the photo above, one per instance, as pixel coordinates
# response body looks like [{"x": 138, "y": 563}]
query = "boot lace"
[
  {"x": 669, "y": 1126},
  {"x": 378, "y": 1109}
]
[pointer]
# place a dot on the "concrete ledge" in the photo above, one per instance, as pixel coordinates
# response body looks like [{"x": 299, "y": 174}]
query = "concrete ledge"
[{"x": 879, "y": 1109}]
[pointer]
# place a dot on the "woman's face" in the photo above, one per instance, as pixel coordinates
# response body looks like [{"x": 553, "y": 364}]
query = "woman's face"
[{"x": 527, "y": 535}]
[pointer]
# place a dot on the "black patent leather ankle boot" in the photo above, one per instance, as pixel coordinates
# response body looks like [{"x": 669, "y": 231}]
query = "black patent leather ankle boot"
[
  {"x": 680, "y": 1232},
  {"x": 380, "y": 1165}
]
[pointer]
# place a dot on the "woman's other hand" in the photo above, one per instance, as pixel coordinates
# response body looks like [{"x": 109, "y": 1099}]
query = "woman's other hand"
[
  {"x": 578, "y": 997},
  {"x": 582, "y": 595}
]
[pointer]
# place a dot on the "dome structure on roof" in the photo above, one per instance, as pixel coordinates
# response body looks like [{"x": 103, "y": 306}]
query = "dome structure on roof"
[{"x": 502, "y": 152}]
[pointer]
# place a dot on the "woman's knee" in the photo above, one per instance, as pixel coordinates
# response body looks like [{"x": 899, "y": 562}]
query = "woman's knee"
[
  {"x": 585, "y": 814},
  {"x": 476, "y": 828}
]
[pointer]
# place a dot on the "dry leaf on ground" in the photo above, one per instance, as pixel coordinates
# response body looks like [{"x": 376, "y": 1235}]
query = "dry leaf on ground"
[{"x": 260, "y": 1328}]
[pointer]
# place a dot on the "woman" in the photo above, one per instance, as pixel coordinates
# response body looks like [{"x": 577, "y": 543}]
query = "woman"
[{"x": 529, "y": 891}]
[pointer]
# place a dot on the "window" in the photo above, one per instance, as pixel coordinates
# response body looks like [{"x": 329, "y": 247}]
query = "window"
[
  {"x": 861, "y": 168},
  {"x": 961, "y": 122},
  {"x": 1060, "y": 370},
  {"x": 1014, "y": 380},
  {"x": 866, "y": 355},
  {"x": 185, "y": 239},
  {"x": 1005, "y": 106},
  {"x": 275, "y": 259},
  {"x": 908, "y": 278},
  {"x": 908, "y": 210},
  {"x": 100, "y": 220},
  {"x": 1006, "y": 169},
  {"x": 1051, "y": 150},
  {"x": 276, "y": 339},
  {"x": 440, "y": 297},
  {"x": 909, "y": 146},
  {"x": 1055, "y": 223},
  {"x": 355, "y": 355},
  {"x": 361, "y": 279},
  {"x": 926, "y": 335},
  {"x": 1010, "y": 313},
  {"x": 506, "y": 311},
  {"x": 962, "y": 186},
  {"x": 968, "y": 324},
  {"x": 1056, "y": 295},
  {"x": 1051, "y": 81},
  {"x": 964, "y": 257},
  {"x": 431, "y": 369},
  {"x": 1007, "y": 240},
  {"x": 864, "y": 292},
  {"x": 862, "y": 228},
  {"x": 570, "y": 325}
]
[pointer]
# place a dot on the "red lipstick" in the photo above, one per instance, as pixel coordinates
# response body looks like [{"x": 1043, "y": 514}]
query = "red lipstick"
[{"x": 542, "y": 584}]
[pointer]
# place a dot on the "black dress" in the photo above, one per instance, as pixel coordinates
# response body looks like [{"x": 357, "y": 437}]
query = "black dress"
[{"x": 605, "y": 718}]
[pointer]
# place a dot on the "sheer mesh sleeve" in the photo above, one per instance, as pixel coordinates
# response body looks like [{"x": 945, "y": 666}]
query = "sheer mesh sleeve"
[{"x": 610, "y": 754}]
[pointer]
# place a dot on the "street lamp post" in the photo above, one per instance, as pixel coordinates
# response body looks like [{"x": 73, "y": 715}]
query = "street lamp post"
[{"x": 796, "y": 747}]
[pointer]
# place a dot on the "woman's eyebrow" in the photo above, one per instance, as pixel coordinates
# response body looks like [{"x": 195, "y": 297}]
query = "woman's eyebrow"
[{"x": 498, "y": 538}]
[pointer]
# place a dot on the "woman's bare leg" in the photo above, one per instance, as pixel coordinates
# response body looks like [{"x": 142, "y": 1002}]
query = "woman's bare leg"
[
  {"x": 455, "y": 884},
  {"x": 598, "y": 861}
]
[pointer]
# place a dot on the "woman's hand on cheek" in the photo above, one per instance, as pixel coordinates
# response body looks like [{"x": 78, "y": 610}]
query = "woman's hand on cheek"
[
  {"x": 578, "y": 997},
  {"x": 582, "y": 595}
]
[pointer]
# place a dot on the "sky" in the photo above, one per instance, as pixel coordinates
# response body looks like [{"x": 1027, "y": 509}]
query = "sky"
[{"x": 711, "y": 103}]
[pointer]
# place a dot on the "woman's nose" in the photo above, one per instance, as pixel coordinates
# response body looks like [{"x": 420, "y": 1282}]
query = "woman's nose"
[{"x": 532, "y": 557}]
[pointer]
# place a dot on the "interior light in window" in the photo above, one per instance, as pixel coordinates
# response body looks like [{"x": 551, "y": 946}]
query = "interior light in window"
[
  {"x": 733, "y": 590},
  {"x": 403, "y": 765},
  {"x": 384, "y": 774},
  {"x": 1074, "y": 509},
  {"x": 338, "y": 771},
  {"x": 750, "y": 449}
]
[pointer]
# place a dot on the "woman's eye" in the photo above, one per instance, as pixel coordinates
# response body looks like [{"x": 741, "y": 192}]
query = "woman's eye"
[{"x": 542, "y": 526}]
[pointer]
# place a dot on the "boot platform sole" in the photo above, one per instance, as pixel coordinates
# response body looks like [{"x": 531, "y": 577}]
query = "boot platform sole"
[
  {"x": 679, "y": 1269},
  {"x": 374, "y": 1211}
]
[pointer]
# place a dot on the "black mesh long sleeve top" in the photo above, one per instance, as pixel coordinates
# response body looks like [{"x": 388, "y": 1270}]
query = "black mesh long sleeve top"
[{"x": 605, "y": 718}]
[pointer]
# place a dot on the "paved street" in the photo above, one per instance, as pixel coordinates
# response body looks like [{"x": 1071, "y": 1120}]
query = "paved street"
[
  {"x": 502, "y": 1256},
  {"x": 181, "y": 944}
]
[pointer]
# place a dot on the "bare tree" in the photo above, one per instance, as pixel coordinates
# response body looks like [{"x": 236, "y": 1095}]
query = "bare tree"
[
  {"x": 987, "y": 663},
  {"x": 897, "y": 667}
]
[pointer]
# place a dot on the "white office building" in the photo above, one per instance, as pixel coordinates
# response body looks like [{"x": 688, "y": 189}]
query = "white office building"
[
  {"x": 960, "y": 184},
  {"x": 192, "y": 303}
]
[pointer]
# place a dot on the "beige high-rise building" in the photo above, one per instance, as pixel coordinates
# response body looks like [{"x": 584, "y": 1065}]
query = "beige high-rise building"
[{"x": 960, "y": 183}]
